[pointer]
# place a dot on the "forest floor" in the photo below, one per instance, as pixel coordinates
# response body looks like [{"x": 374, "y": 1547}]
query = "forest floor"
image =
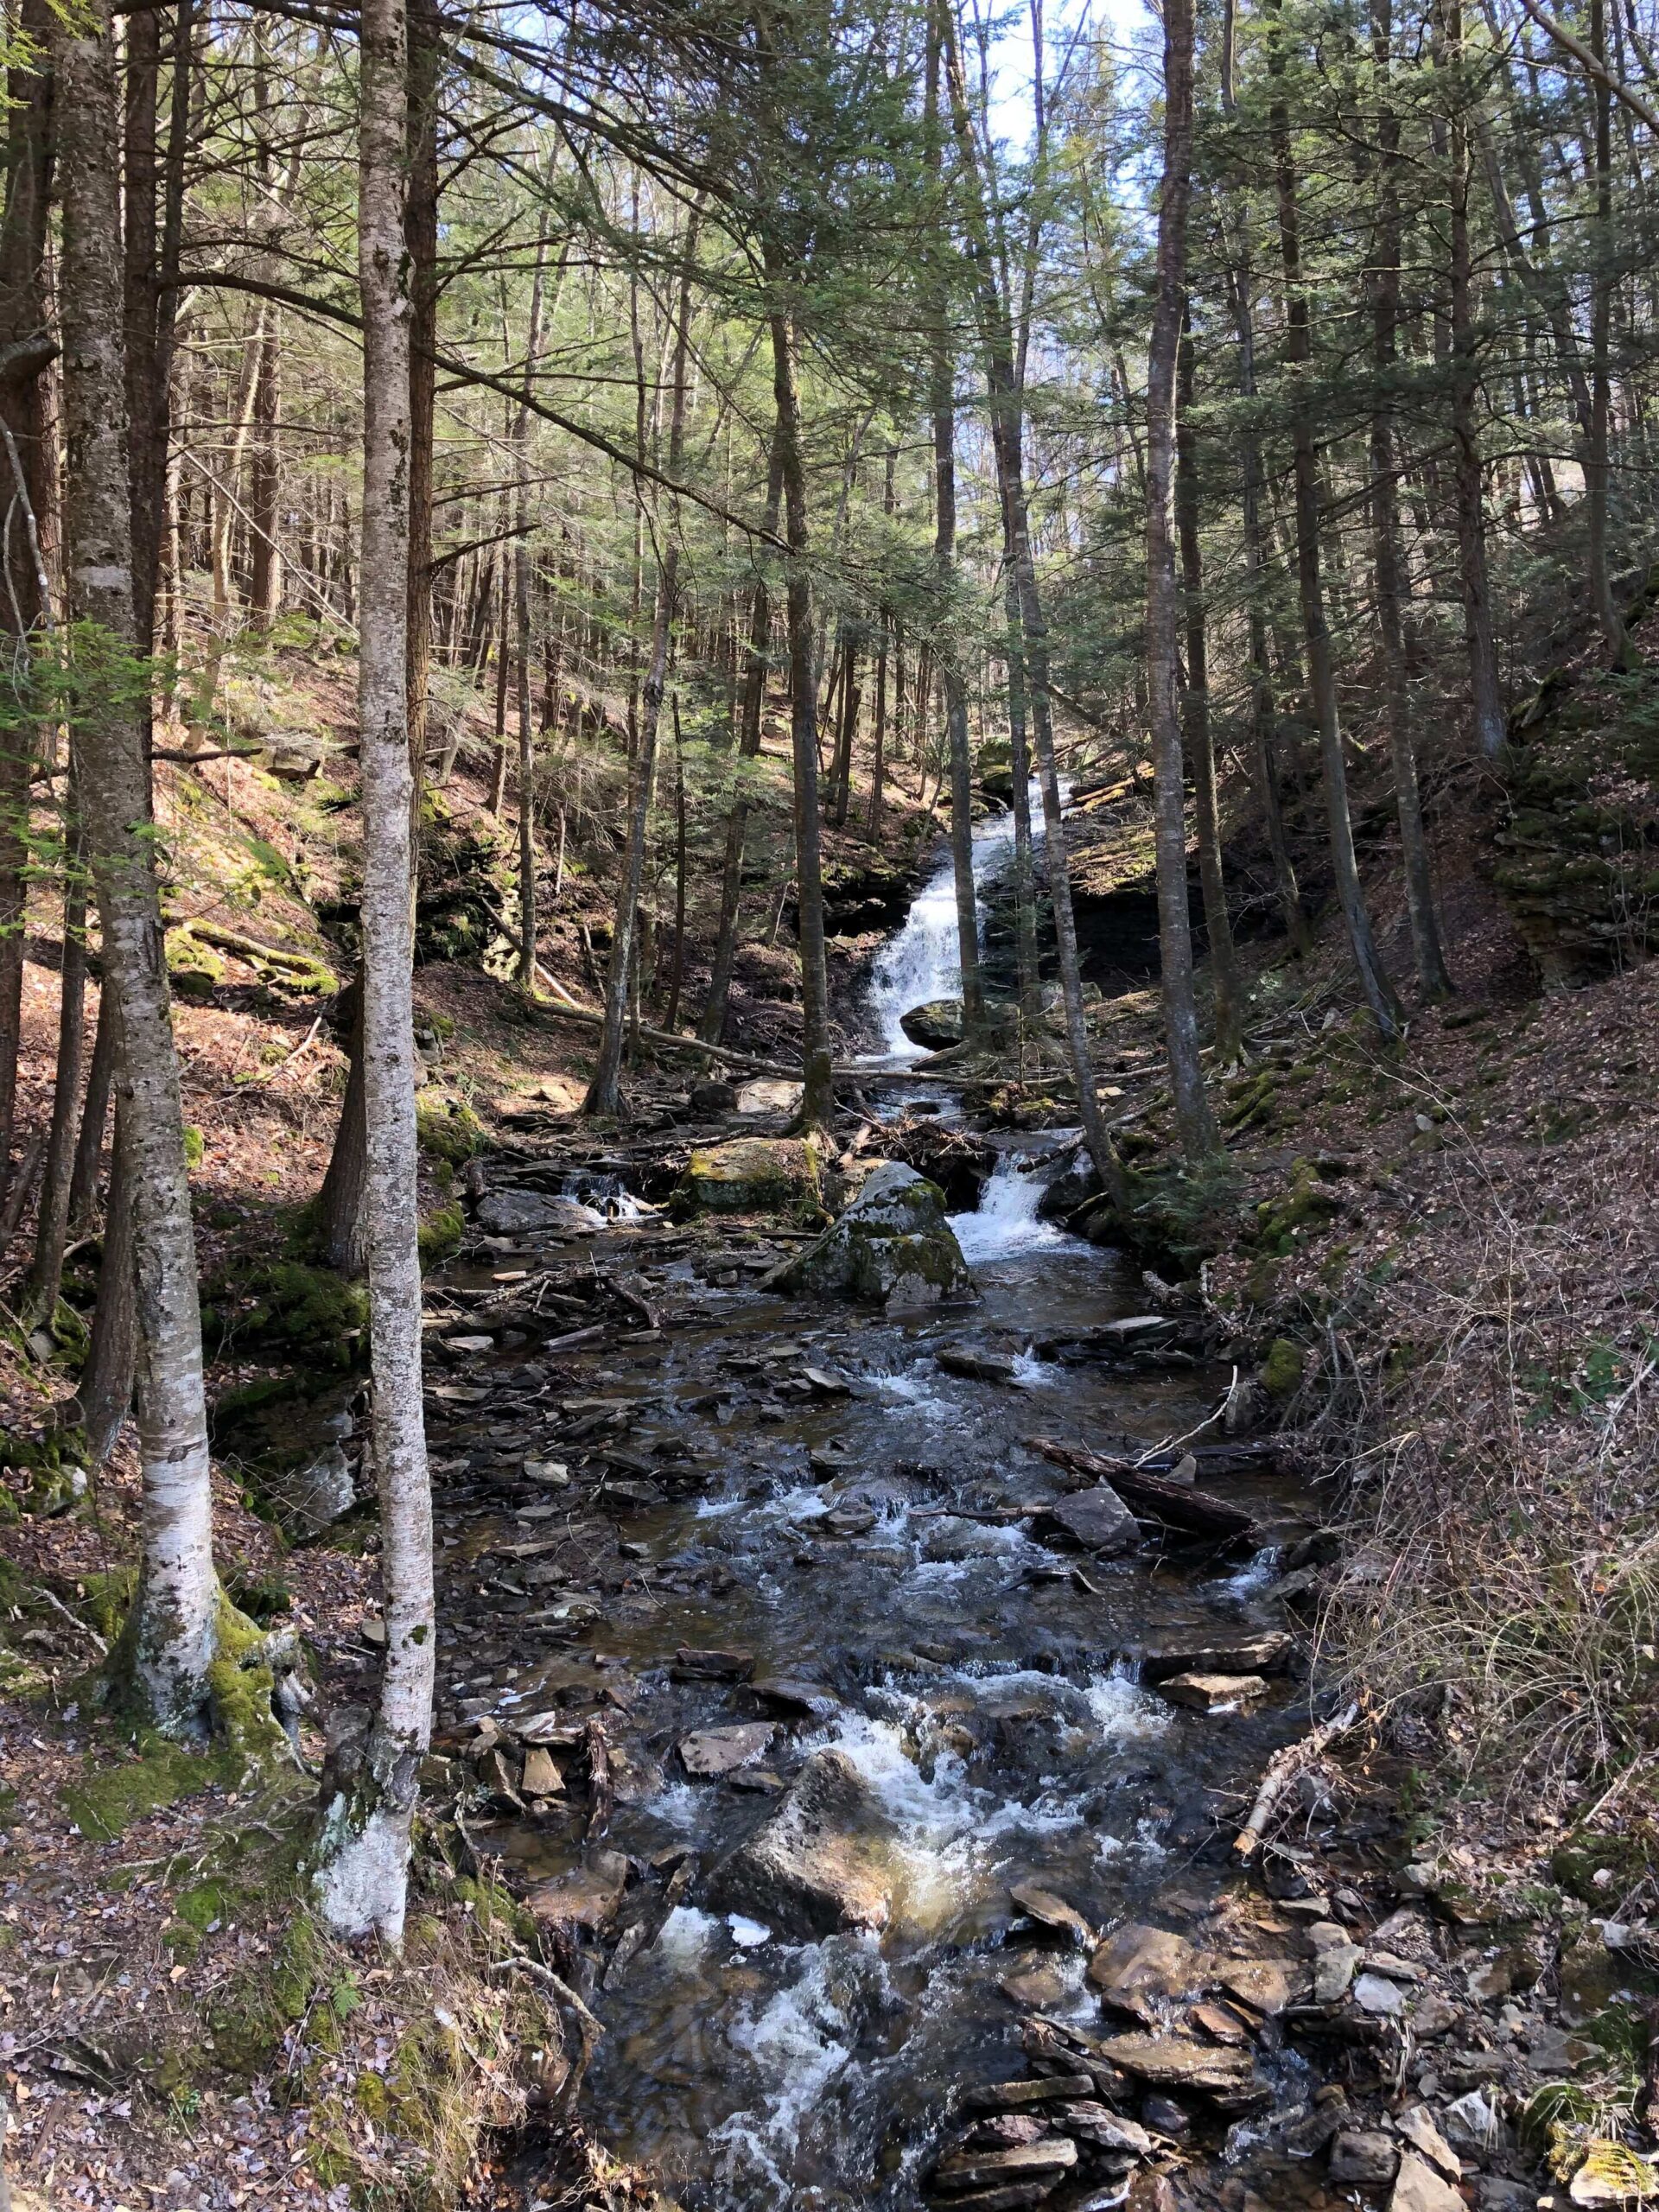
[{"x": 1446, "y": 1257}]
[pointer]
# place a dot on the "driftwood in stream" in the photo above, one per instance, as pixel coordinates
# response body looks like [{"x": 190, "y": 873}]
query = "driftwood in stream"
[
  {"x": 1282, "y": 1770},
  {"x": 1180, "y": 1507}
]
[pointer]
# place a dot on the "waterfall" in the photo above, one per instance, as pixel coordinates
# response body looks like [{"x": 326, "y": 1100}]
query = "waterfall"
[{"x": 920, "y": 962}]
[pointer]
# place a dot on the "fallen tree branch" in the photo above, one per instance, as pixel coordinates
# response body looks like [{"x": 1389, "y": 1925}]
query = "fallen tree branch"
[
  {"x": 1282, "y": 1768},
  {"x": 1194, "y": 1510}
]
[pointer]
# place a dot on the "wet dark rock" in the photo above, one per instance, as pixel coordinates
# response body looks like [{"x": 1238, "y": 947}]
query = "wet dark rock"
[
  {"x": 1006, "y": 2096},
  {"x": 1165, "y": 2115},
  {"x": 1003, "y": 2129},
  {"x": 1052, "y": 1913},
  {"x": 1020, "y": 2162},
  {"x": 821, "y": 1863},
  {"x": 718, "y": 1750},
  {"x": 1363, "y": 2157},
  {"x": 1090, "y": 2122},
  {"x": 1228, "y": 2078},
  {"x": 796, "y": 1698},
  {"x": 891, "y": 1246},
  {"x": 1098, "y": 1519},
  {"x": 1035, "y": 1982},
  {"x": 978, "y": 1366},
  {"x": 1137, "y": 1964},
  {"x": 713, "y": 1097},
  {"x": 519, "y": 1213},
  {"x": 587, "y": 1896},
  {"x": 936, "y": 1025},
  {"x": 693, "y": 1666},
  {"x": 1267, "y": 1654}
]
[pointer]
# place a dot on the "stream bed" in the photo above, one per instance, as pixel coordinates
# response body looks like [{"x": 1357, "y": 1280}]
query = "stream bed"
[{"x": 762, "y": 1534}]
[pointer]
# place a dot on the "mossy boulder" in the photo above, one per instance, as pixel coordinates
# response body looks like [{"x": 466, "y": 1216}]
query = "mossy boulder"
[
  {"x": 754, "y": 1175},
  {"x": 892, "y": 1247},
  {"x": 934, "y": 1025},
  {"x": 1282, "y": 1370}
]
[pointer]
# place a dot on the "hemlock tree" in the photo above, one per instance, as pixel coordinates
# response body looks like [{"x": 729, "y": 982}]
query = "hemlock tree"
[{"x": 362, "y": 1874}]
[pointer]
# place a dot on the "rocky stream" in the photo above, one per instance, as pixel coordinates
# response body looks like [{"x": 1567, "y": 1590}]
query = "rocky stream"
[{"x": 864, "y": 1693}]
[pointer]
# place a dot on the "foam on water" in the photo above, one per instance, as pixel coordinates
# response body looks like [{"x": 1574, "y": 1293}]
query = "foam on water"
[
  {"x": 685, "y": 1938},
  {"x": 1005, "y": 1221},
  {"x": 800, "y": 2041},
  {"x": 1123, "y": 1711}
]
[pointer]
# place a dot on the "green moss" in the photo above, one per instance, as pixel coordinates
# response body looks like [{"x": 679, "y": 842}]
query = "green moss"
[
  {"x": 298, "y": 1306},
  {"x": 195, "y": 1146},
  {"x": 114, "y": 1792},
  {"x": 200, "y": 1907},
  {"x": 441, "y": 1236},
  {"x": 1283, "y": 1369},
  {"x": 447, "y": 1131}
]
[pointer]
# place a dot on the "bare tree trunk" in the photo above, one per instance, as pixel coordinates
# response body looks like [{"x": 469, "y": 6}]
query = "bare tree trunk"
[
  {"x": 342, "y": 1218},
  {"x": 173, "y": 1634},
  {"x": 89, "y": 1146},
  {"x": 1206, "y": 804},
  {"x": 25, "y": 476},
  {"x": 1471, "y": 503},
  {"x": 604, "y": 1093},
  {"x": 1430, "y": 960},
  {"x": 265, "y": 484},
  {"x": 713, "y": 1024},
  {"x": 1193, "y": 1120},
  {"x": 1024, "y": 872},
  {"x": 946, "y": 645},
  {"x": 362, "y": 1854},
  {"x": 1007, "y": 429},
  {"x": 1380, "y": 993},
  {"x": 106, "y": 1390},
  {"x": 52, "y": 1231},
  {"x": 1619, "y": 651},
  {"x": 677, "y": 971},
  {"x": 521, "y": 568},
  {"x": 818, "y": 1098},
  {"x": 1263, "y": 718}
]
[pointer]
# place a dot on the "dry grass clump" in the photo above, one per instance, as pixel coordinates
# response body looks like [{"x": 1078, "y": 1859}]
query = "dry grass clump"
[{"x": 1492, "y": 1400}]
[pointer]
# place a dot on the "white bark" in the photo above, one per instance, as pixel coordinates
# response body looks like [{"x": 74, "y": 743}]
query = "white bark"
[
  {"x": 362, "y": 1876},
  {"x": 174, "y": 1633}
]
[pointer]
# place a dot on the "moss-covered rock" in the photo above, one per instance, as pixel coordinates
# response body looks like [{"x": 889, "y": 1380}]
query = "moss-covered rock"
[
  {"x": 892, "y": 1247},
  {"x": 447, "y": 1130},
  {"x": 1283, "y": 1367},
  {"x": 754, "y": 1175}
]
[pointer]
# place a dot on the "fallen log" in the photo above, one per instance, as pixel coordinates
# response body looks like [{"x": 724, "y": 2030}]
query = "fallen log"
[
  {"x": 1282, "y": 1770},
  {"x": 1194, "y": 1510}
]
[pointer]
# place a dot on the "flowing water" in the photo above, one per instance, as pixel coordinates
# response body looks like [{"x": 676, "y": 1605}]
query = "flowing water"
[
  {"x": 845, "y": 1531},
  {"x": 922, "y": 960}
]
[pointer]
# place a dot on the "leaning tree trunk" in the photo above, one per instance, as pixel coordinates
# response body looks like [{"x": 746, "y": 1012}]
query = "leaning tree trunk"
[
  {"x": 172, "y": 1636},
  {"x": 1193, "y": 1121},
  {"x": 52, "y": 1229},
  {"x": 362, "y": 1871},
  {"x": 818, "y": 1096}
]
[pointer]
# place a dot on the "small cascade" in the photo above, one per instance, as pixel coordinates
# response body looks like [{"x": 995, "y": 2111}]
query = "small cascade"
[{"x": 1005, "y": 1221}]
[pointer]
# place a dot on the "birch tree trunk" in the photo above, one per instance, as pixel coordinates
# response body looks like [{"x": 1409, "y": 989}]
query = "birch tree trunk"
[
  {"x": 171, "y": 1638},
  {"x": 1193, "y": 1119},
  {"x": 362, "y": 1871}
]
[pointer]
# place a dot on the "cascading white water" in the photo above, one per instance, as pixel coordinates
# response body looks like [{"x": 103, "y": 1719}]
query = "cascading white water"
[
  {"x": 920, "y": 961},
  {"x": 1005, "y": 1220}
]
